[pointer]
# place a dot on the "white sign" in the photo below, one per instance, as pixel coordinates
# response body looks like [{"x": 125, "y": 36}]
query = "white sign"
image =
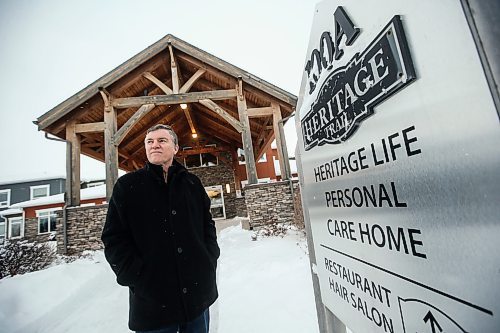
[{"x": 399, "y": 153}]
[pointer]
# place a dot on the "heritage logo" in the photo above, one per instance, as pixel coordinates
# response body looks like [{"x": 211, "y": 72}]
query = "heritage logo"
[{"x": 349, "y": 93}]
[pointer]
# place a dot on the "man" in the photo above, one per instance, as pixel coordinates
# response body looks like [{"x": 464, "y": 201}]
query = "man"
[{"x": 160, "y": 240}]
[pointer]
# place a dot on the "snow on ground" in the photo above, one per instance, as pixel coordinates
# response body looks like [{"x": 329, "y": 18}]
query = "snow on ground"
[{"x": 264, "y": 286}]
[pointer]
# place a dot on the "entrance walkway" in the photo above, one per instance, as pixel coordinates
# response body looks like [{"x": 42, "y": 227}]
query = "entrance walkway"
[{"x": 222, "y": 224}]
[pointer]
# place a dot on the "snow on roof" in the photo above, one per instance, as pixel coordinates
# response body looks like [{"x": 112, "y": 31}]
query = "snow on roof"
[
  {"x": 290, "y": 146},
  {"x": 11, "y": 211},
  {"x": 20, "y": 179},
  {"x": 85, "y": 194},
  {"x": 293, "y": 167}
]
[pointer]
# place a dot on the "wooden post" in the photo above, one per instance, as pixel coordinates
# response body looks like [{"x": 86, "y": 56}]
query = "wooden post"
[
  {"x": 237, "y": 180},
  {"x": 110, "y": 150},
  {"x": 279, "y": 135},
  {"x": 246, "y": 135},
  {"x": 74, "y": 176}
]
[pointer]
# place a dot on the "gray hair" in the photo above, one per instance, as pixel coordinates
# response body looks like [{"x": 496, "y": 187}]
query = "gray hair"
[{"x": 165, "y": 127}]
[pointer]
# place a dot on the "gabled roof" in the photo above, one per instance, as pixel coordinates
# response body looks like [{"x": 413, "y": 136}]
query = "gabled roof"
[
  {"x": 30, "y": 179},
  {"x": 96, "y": 192},
  {"x": 144, "y": 75}
]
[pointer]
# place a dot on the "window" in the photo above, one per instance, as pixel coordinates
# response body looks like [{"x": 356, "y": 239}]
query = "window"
[
  {"x": 208, "y": 159},
  {"x": 46, "y": 221},
  {"x": 200, "y": 160},
  {"x": 2, "y": 230},
  {"x": 40, "y": 191},
  {"x": 192, "y": 161},
  {"x": 15, "y": 227},
  {"x": 241, "y": 157},
  {"x": 5, "y": 198}
]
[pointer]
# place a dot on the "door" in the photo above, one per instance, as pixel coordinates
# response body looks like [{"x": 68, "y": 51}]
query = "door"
[{"x": 216, "y": 196}]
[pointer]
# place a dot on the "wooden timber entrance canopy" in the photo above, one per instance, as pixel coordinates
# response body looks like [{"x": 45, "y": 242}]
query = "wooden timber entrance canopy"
[{"x": 223, "y": 105}]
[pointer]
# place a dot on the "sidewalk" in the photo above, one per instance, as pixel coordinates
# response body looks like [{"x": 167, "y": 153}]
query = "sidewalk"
[{"x": 223, "y": 224}]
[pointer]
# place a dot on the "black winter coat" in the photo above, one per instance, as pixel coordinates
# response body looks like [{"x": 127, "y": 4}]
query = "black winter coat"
[{"x": 160, "y": 241}]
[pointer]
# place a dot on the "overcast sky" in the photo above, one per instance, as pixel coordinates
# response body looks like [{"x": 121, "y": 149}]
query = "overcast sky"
[{"x": 51, "y": 49}]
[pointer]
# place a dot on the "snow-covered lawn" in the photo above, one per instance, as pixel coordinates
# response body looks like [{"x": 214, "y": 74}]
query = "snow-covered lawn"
[{"x": 264, "y": 286}]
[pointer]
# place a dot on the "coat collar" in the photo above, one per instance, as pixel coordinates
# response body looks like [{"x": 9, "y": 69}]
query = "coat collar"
[{"x": 157, "y": 170}]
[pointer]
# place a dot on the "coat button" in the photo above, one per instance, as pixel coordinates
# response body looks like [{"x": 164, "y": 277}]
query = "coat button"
[
  {"x": 174, "y": 212},
  {"x": 184, "y": 290},
  {"x": 179, "y": 250}
]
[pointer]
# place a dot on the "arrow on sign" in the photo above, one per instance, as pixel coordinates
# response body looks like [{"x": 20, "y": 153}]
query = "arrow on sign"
[{"x": 430, "y": 317}]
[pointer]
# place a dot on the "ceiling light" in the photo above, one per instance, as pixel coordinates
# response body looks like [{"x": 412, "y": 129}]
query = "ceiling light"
[
  {"x": 194, "y": 135},
  {"x": 184, "y": 106}
]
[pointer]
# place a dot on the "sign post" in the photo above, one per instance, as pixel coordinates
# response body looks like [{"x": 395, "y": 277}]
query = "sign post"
[{"x": 399, "y": 163}]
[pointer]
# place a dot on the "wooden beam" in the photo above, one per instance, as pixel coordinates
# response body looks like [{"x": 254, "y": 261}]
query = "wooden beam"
[
  {"x": 231, "y": 70},
  {"x": 192, "y": 97},
  {"x": 223, "y": 76},
  {"x": 109, "y": 80},
  {"x": 138, "y": 115},
  {"x": 156, "y": 81},
  {"x": 217, "y": 73},
  {"x": 260, "y": 112},
  {"x": 152, "y": 122},
  {"x": 227, "y": 104},
  {"x": 168, "y": 91},
  {"x": 187, "y": 86},
  {"x": 135, "y": 165},
  {"x": 138, "y": 148},
  {"x": 190, "y": 121},
  {"x": 279, "y": 134},
  {"x": 100, "y": 157},
  {"x": 164, "y": 117},
  {"x": 173, "y": 67},
  {"x": 89, "y": 127},
  {"x": 203, "y": 150},
  {"x": 260, "y": 138},
  {"x": 220, "y": 128},
  {"x": 135, "y": 76},
  {"x": 92, "y": 145},
  {"x": 175, "y": 83},
  {"x": 246, "y": 136},
  {"x": 110, "y": 150},
  {"x": 260, "y": 95},
  {"x": 214, "y": 129},
  {"x": 92, "y": 153},
  {"x": 221, "y": 112},
  {"x": 178, "y": 122},
  {"x": 267, "y": 139}
]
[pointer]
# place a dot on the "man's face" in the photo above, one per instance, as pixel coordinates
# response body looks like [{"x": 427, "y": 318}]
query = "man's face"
[{"x": 160, "y": 147}]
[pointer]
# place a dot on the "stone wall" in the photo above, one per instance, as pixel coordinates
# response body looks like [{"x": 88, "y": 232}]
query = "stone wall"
[
  {"x": 272, "y": 203},
  {"x": 240, "y": 205},
  {"x": 83, "y": 228},
  {"x": 31, "y": 231},
  {"x": 299, "y": 212},
  {"x": 223, "y": 174},
  {"x": 266, "y": 203}
]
